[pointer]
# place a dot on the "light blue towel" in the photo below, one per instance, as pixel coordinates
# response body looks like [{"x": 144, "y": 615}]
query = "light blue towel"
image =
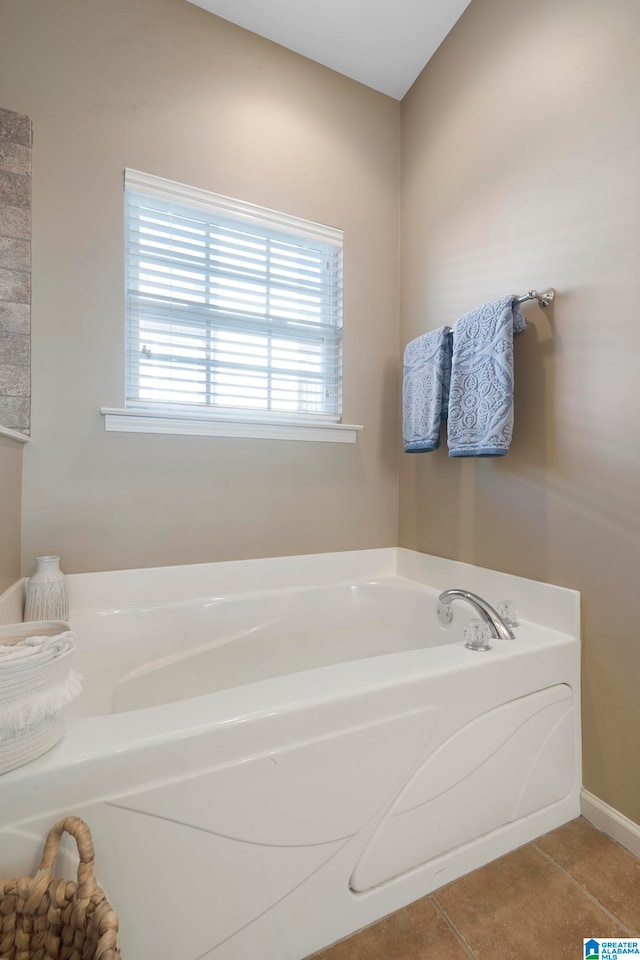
[
  {"x": 481, "y": 394},
  {"x": 425, "y": 389}
]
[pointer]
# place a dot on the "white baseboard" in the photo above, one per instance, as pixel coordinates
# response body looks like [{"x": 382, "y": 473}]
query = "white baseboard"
[{"x": 614, "y": 824}]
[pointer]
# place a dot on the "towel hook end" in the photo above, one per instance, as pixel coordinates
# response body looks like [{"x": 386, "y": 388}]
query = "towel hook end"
[{"x": 544, "y": 299}]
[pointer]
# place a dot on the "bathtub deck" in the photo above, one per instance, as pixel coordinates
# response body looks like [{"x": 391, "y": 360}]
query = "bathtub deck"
[{"x": 539, "y": 901}]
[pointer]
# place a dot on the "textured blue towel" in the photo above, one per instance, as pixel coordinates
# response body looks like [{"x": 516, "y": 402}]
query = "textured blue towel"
[
  {"x": 481, "y": 394},
  {"x": 425, "y": 389}
]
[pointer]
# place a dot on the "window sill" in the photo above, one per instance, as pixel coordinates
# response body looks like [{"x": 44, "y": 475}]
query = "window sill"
[
  {"x": 205, "y": 425},
  {"x": 13, "y": 434}
]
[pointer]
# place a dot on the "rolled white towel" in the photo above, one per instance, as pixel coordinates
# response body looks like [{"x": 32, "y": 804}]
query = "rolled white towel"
[
  {"x": 12, "y": 633},
  {"x": 45, "y": 648}
]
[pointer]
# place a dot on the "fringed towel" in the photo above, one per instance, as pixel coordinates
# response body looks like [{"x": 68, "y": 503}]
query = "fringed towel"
[
  {"x": 36, "y": 681},
  {"x": 425, "y": 389},
  {"x": 480, "y": 422}
]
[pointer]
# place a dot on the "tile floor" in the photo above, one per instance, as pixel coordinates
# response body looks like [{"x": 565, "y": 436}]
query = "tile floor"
[{"x": 537, "y": 902}]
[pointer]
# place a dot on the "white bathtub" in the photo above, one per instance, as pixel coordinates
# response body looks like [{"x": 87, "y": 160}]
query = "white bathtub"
[{"x": 272, "y": 754}]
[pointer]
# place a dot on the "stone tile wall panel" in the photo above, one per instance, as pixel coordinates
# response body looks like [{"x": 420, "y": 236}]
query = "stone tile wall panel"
[{"x": 15, "y": 270}]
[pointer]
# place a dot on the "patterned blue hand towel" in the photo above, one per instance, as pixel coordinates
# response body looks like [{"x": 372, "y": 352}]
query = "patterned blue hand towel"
[
  {"x": 481, "y": 394},
  {"x": 425, "y": 389}
]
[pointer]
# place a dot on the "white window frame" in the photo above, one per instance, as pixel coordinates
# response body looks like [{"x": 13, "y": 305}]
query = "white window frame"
[{"x": 147, "y": 417}]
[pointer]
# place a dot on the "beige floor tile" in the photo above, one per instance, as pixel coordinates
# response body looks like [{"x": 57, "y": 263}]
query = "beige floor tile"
[
  {"x": 521, "y": 906},
  {"x": 416, "y": 932},
  {"x": 608, "y": 871}
]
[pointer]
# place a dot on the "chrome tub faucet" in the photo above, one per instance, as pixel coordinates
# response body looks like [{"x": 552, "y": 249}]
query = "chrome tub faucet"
[{"x": 485, "y": 611}]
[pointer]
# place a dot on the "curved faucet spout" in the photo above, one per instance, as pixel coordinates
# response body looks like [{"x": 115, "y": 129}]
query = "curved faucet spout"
[{"x": 484, "y": 610}]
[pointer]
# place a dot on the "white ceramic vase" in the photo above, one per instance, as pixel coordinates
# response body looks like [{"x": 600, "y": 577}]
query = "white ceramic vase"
[{"x": 47, "y": 597}]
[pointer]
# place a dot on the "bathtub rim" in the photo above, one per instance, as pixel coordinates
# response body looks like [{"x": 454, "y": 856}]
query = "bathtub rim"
[{"x": 549, "y": 605}]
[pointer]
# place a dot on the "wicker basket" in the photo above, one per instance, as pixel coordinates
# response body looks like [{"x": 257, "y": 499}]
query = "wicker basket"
[{"x": 42, "y": 918}]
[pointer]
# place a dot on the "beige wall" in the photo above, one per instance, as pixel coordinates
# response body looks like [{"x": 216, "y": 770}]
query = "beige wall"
[
  {"x": 164, "y": 87},
  {"x": 521, "y": 160},
  {"x": 10, "y": 495}
]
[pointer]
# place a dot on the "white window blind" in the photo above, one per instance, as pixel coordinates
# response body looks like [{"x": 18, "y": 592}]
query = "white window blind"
[{"x": 230, "y": 307}]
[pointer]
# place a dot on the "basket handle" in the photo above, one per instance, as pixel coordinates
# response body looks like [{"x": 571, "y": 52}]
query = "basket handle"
[{"x": 82, "y": 835}]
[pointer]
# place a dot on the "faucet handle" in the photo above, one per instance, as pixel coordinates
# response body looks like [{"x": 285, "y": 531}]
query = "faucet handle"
[
  {"x": 477, "y": 635},
  {"x": 508, "y": 612},
  {"x": 445, "y": 613}
]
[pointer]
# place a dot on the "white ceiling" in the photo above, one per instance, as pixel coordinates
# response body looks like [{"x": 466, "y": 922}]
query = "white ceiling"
[{"x": 381, "y": 43}]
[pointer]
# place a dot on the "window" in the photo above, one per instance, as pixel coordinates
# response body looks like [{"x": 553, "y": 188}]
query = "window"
[{"x": 233, "y": 312}]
